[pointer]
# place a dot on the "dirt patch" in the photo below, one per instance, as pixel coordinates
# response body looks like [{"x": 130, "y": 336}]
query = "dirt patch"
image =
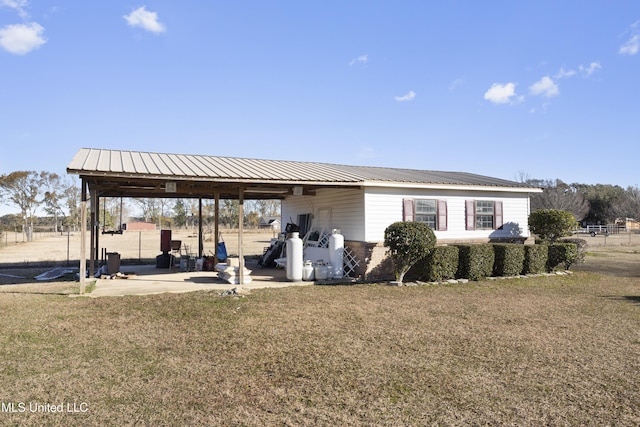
[{"x": 130, "y": 245}]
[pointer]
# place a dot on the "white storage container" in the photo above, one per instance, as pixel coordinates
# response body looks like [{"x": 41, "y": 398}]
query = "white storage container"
[
  {"x": 336, "y": 254},
  {"x": 294, "y": 258},
  {"x": 308, "y": 271}
]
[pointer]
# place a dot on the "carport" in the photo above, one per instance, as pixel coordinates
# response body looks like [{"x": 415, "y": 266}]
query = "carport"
[{"x": 132, "y": 174}]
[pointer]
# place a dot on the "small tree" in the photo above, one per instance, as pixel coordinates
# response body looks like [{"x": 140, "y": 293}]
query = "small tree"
[
  {"x": 552, "y": 224},
  {"x": 408, "y": 242}
]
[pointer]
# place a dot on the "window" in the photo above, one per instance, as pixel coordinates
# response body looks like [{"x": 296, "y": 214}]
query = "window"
[
  {"x": 426, "y": 211},
  {"x": 430, "y": 211},
  {"x": 484, "y": 214}
]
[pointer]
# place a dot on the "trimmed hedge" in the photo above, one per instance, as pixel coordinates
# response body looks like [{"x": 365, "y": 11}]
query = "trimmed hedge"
[
  {"x": 479, "y": 261},
  {"x": 475, "y": 262},
  {"x": 535, "y": 259},
  {"x": 441, "y": 264},
  {"x": 562, "y": 253},
  {"x": 581, "y": 246},
  {"x": 509, "y": 259}
]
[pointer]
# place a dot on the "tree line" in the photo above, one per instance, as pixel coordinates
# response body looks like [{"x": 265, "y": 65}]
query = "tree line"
[
  {"x": 58, "y": 197},
  {"x": 597, "y": 204},
  {"x": 48, "y": 201}
]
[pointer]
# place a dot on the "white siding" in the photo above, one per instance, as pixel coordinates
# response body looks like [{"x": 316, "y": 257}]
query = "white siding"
[
  {"x": 363, "y": 215},
  {"x": 346, "y": 207},
  {"x": 383, "y": 206}
]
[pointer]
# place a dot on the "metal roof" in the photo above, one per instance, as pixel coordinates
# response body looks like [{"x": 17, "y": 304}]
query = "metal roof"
[{"x": 89, "y": 162}]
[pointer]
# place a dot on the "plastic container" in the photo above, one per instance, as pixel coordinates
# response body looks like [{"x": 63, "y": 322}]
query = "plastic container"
[
  {"x": 113, "y": 262},
  {"x": 294, "y": 258},
  {"x": 336, "y": 254},
  {"x": 321, "y": 271},
  {"x": 308, "y": 271}
]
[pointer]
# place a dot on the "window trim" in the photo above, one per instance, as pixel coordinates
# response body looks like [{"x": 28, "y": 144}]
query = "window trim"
[
  {"x": 471, "y": 214},
  {"x": 441, "y": 217}
]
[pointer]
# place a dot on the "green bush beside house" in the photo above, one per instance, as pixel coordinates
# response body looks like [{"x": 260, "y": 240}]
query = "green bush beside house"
[{"x": 441, "y": 264}]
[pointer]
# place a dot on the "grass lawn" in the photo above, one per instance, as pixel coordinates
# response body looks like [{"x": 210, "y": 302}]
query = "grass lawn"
[{"x": 544, "y": 351}]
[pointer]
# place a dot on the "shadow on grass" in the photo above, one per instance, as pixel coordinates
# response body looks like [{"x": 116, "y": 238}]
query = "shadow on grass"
[{"x": 629, "y": 298}]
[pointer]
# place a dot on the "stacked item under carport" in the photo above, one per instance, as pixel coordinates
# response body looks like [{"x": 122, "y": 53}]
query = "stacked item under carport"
[{"x": 230, "y": 272}]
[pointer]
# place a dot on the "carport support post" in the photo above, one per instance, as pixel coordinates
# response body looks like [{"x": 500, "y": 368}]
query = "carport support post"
[
  {"x": 95, "y": 201},
  {"x": 240, "y": 231},
  {"x": 200, "y": 239},
  {"x": 83, "y": 236},
  {"x": 216, "y": 229}
]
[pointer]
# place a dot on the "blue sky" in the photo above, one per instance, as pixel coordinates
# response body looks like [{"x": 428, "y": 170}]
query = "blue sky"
[{"x": 547, "y": 88}]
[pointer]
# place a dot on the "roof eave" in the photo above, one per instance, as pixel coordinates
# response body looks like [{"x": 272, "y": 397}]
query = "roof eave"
[{"x": 450, "y": 186}]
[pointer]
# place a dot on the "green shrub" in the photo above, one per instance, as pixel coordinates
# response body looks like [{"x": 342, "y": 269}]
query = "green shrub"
[
  {"x": 408, "y": 242},
  {"x": 440, "y": 264},
  {"x": 561, "y": 253},
  {"x": 475, "y": 262},
  {"x": 535, "y": 259},
  {"x": 509, "y": 259},
  {"x": 551, "y": 224},
  {"x": 581, "y": 250}
]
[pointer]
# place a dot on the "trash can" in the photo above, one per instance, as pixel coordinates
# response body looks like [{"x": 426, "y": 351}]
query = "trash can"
[{"x": 113, "y": 262}]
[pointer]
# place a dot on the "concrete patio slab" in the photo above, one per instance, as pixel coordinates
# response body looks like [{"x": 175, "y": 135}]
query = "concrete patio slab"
[{"x": 148, "y": 280}]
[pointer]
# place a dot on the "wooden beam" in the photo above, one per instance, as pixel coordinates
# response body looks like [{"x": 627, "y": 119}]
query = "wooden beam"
[
  {"x": 83, "y": 236},
  {"x": 240, "y": 232},
  {"x": 93, "y": 219},
  {"x": 200, "y": 237},
  {"x": 216, "y": 229}
]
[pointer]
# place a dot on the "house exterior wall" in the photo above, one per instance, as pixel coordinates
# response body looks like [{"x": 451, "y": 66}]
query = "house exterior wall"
[
  {"x": 344, "y": 207},
  {"x": 384, "y": 206},
  {"x": 362, "y": 215}
]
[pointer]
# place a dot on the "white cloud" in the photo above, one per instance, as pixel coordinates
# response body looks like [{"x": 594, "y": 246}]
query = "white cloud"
[
  {"x": 584, "y": 70},
  {"x": 564, "y": 73},
  {"x": 362, "y": 59},
  {"x": 144, "y": 19},
  {"x": 408, "y": 97},
  {"x": 545, "y": 87},
  {"x": 592, "y": 68},
  {"x": 18, "y": 5},
  {"x": 501, "y": 93},
  {"x": 631, "y": 46},
  {"x": 21, "y": 39}
]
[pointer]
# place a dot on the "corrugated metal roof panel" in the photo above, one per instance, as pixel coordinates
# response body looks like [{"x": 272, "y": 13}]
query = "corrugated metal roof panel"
[{"x": 98, "y": 162}]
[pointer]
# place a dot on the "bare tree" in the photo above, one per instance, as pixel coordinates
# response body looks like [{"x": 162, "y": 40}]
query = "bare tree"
[
  {"x": 558, "y": 195},
  {"x": 23, "y": 189},
  {"x": 149, "y": 208},
  {"x": 71, "y": 194},
  {"x": 53, "y": 196},
  {"x": 627, "y": 205},
  {"x": 268, "y": 207}
]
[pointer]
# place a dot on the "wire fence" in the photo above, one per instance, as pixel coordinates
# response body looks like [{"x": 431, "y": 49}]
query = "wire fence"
[{"x": 8, "y": 238}]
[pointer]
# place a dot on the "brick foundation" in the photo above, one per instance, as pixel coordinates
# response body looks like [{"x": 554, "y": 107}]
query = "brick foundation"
[{"x": 374, "y": 264}]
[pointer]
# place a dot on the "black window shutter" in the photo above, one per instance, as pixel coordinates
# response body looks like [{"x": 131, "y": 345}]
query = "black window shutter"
[
  {"x": 442, "y": 215},
  {"x": 471, "y": 215}
]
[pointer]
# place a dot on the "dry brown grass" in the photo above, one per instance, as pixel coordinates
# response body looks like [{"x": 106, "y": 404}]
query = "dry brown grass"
[
  {"x": 542, "y": 351},
  {"x": 545, "y": 351}
]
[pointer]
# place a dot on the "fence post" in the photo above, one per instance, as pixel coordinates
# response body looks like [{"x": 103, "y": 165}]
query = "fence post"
[{"x": 68, "y": 246}]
